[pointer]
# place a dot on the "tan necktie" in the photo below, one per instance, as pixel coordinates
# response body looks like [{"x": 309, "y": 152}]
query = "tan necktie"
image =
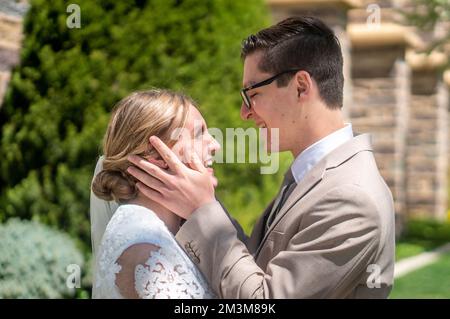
[{"x": 287, "y": 187}]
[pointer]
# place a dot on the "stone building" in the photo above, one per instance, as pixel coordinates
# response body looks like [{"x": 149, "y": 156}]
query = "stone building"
[
  {"x": 11, "y": 13},
  {"x": 391, "y": 91}
]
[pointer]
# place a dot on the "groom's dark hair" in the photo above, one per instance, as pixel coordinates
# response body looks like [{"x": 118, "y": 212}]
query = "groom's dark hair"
[{"x": 304, "y": 43}]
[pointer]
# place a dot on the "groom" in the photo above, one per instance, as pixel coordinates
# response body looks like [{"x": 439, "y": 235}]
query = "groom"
[{"x": 329, "y": 233}]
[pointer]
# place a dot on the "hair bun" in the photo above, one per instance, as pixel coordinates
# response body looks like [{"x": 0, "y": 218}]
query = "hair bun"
[{"x": 114, "y": 185}]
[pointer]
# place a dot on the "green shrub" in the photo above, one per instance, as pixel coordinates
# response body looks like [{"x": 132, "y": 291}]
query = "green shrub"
[
  {"x": 60, "y": 97},
  {"x": 430, "y": 232},
  {"x": 34, "y": 260}
]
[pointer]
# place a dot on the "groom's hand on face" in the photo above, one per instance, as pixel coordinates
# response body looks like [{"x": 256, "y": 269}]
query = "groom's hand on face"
[{"x": 179, "y": 188}]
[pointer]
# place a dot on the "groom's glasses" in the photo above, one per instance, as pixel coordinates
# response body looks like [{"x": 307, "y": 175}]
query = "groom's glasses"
[{"x": 246, "y": 98}]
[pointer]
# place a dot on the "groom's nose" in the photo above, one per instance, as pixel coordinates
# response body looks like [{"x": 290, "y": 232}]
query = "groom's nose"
[{"x": 245, "y": 112}]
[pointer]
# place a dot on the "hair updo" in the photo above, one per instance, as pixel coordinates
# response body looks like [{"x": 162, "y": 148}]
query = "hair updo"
[{"x": 134, "y": 119}]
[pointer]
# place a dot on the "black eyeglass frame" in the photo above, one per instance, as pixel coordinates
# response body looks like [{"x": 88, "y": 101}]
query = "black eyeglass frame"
[{"x": 246, "y": 98}]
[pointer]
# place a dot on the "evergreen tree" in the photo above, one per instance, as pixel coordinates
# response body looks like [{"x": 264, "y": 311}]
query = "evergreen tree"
[{"x": 60, "y": 97}]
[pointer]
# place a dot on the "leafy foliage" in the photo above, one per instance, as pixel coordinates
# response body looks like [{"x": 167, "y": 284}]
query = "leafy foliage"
[
  {"x": 426, "y": 15},
  {"x": 34, "y": 260},
  {"x": 60, "y": 97}
]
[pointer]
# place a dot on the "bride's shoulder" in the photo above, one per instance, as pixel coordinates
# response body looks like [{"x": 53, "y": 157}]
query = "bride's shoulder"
[
  {"x": 135, "y": 215},
  {"x": 133, "y": 224}
]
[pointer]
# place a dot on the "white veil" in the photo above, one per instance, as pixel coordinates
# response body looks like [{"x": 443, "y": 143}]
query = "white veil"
[{"x": 101, "y": 212}]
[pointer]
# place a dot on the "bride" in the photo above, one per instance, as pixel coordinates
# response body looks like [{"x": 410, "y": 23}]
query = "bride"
[{"x": 138, "y": 256}]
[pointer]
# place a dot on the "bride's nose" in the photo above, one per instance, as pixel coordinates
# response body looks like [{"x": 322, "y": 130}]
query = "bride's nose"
[{"x": 213, "y": 146}]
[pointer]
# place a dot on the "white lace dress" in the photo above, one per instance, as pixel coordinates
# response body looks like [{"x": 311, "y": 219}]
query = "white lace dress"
[{"x": 167, "y": 274}]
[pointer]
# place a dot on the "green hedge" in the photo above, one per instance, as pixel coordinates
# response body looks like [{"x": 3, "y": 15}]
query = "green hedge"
[
  {"x": 420, "y": 235},
  {"x": 59, "y": 100},
  {"x": 427, "y": 230},
  {"x": 34, "y": 260}
]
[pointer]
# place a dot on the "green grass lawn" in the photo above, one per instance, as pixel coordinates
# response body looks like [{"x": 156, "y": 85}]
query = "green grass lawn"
[
  {"x": 411, "y": 248},
  {"x": 432, "y": 281}
]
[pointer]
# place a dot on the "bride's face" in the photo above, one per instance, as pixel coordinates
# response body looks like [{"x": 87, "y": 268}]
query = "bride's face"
[{"x": 196, "y": 138}]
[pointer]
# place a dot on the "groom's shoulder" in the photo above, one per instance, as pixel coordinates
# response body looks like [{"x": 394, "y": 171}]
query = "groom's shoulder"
[
  {"x": 351, "y": 160},
  {"x": 359, "y": 176},
  {"x": 360, "y": 169}
]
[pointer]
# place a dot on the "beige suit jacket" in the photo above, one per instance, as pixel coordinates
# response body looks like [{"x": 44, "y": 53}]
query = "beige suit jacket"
[{"x": 333, "y": 237}]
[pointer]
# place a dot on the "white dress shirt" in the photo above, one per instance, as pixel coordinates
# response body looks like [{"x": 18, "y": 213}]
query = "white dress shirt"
[{"x": 315, "y": 152}]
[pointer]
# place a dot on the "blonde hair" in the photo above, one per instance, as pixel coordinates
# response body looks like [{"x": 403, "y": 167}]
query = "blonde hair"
[{"x": 134, "y": 119}]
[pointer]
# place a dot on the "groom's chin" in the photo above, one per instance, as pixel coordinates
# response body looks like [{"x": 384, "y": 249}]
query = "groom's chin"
[
  {"x": 270, "y": 148},
  {"x": 267, "y": 142}
]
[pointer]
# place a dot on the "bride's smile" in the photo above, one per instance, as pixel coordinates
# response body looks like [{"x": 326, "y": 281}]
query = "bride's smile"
[{"x": 195, "y": 137}]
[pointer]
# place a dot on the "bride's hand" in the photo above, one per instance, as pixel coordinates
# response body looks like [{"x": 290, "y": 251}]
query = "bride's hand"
[{"x": 180, "y": 189}]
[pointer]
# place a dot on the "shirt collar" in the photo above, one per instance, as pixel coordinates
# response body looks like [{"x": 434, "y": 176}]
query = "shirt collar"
[{"x": 315, "y": 152}]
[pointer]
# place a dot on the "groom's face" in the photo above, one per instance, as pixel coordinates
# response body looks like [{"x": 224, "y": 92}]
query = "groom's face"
[{"x": 271, "y": 106}]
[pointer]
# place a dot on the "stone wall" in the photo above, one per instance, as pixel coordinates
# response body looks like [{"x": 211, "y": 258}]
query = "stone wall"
[
  {"x": 380, "y": 106},
  {"x": 426, "y": 174},
  {"x": 11, "y": 13}
]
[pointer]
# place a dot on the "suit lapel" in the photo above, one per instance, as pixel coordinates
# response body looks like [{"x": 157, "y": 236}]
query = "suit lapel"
[
  {"x": 309, "y": 182},
  {"x": 258, "y": 230},
  {"x": 312, "y": 178}
]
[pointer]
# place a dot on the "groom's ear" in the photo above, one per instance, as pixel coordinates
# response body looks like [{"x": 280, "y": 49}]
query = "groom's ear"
[{"x": 304, "y": 83}]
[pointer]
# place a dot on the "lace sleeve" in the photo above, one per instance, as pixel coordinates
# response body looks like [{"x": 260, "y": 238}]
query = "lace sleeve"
[
  {"x": 159, "y": 273},
  {"x": 139, "y": 258}
]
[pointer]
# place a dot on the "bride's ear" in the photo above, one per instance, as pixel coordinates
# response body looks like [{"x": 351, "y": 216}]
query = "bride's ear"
[{"x": 158, "y": 162}]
